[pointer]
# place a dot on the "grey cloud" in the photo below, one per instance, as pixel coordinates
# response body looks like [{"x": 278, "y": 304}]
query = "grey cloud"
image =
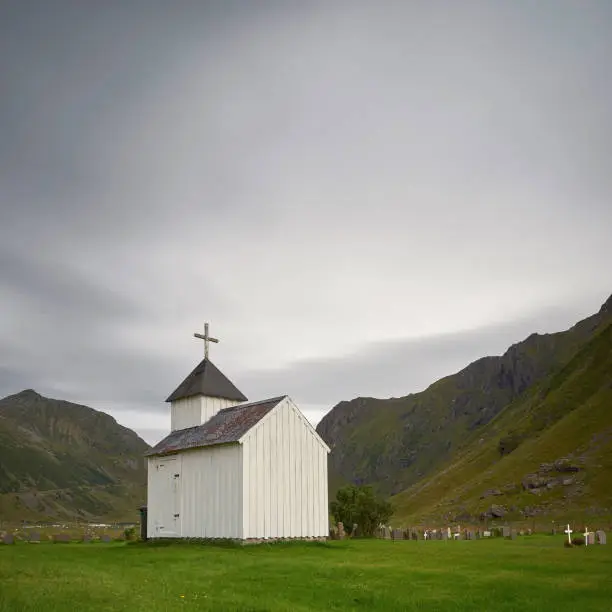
[
  {"x": 58, "y": 290},
  {"x": 13, "y": 380},
  {"x": 152, "y": 436},
  {"x": 135, "y": 381},
  {"x": 62, "y": 333},
  {"x": 306, "y": 175},
  {"x": 395, "y": 369}
]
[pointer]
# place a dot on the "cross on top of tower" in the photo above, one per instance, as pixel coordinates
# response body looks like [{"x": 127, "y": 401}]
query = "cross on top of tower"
[{"x": 207, "y": 339}]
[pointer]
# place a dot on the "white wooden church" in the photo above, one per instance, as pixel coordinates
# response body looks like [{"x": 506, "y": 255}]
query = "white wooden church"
[{"x": 235, "y": 469}]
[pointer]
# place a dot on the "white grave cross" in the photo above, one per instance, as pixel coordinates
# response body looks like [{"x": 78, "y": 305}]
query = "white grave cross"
[
  {"x": 586, "y": 534},
  {"x": 569, "y": 533}
]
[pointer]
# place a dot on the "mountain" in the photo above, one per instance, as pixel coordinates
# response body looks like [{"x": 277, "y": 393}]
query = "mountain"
[
  {"x": 488, "y": 424},
  {"x": 548, "y": 453},
  {"x": 60, "y": 460}
]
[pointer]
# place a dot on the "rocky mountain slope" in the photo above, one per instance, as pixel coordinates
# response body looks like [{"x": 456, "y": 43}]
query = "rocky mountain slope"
[
  {"x": 549, "y": 453},
  {"x": 401, "y": 444},
  {"x": 60, "y": 460}
]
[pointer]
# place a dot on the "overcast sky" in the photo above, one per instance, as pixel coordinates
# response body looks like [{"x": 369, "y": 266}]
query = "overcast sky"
[{"x": 361, "y": 197}]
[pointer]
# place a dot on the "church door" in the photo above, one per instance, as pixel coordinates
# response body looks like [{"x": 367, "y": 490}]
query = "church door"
[{"x": 169, "y": 469}]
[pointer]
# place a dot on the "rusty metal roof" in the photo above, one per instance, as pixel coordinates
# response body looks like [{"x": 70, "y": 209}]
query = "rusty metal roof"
[
  {"x": 207, "y": 379},
  {"x": 225, "y": 427}
]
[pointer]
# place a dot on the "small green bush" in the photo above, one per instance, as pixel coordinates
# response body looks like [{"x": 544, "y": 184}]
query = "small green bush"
[
  {"x": 129, "y": 533},
  {"x": 509, "y": 443}
]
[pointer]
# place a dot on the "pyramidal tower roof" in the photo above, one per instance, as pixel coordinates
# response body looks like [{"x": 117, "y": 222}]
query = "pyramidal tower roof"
[{"x": 206, "y": 379}]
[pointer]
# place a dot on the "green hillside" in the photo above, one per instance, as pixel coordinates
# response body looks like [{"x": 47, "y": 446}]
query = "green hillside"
[
  {"x": 60, "y": 460},
  {"x": 549, "y": 453},
  {"x": 487, "y": 425}
]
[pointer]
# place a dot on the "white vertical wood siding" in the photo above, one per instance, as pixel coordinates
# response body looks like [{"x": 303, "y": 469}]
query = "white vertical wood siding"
[
  {"x": 186, "y": 412},
  {"x": 208, "y": 496},
  {"x": 212, "y": 492},
  {"x": 212, "y": 405},
  {"x": 284, "y": 477},
  {"x": 195, "y": 410}
]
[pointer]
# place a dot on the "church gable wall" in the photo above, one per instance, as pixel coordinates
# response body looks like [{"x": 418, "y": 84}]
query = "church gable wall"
[{"x": 285, "y": 477}]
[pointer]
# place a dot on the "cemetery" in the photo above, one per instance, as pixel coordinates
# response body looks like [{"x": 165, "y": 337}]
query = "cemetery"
[{"x": 398, "y": 569}]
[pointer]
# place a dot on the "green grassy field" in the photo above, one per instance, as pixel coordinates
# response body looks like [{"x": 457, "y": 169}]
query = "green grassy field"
[{"x": 530, "y": 573}]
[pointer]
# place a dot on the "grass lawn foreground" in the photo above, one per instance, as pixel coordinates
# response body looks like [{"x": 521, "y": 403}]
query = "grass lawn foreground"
[{"x": 531, "y": 573}]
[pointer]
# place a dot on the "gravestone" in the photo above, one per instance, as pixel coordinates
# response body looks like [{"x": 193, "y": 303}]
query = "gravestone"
[
  {"x": 397, "y": 534},
  {"x": 8, "y": 538},
  {"x": 513, "y": 534},
  {"x": 505, "y": 531},
  {"x": 34, "y": 537},
  {"x": 107, "y": 538},
  {"x": 386, "y": 533},
  {"x": 486, "y": 534},
  {"x": 590, "y": 538},
  {"x": 355, "y": 532},
  {"x": 87, "y": 537},
  {"x": 341, "y": 533},
  {"x": 601, "y": 536},
  {"x": 444, "y": 534},
  {"x": 61, "y": 537}
]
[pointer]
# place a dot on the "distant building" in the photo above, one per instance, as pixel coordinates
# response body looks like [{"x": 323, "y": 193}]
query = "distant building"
[{"x": 234, "y": 469}]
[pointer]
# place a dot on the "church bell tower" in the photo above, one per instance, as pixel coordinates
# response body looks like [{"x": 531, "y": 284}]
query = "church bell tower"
[{"x": 204, "y": 392}]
